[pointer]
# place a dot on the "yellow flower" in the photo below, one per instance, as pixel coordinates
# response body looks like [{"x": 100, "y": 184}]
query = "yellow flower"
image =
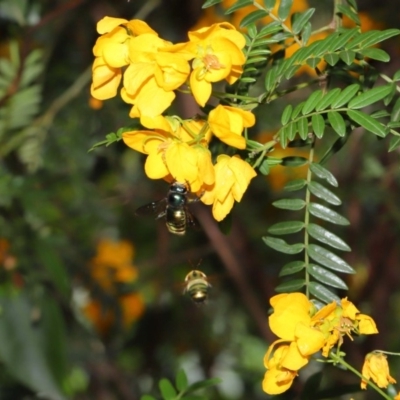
[
  {"x": 227, "y": 123},
  {"x": 217, "y": 54},
  {"x": 112, "y": 53},
  {"x": 176, "y": 151},
  {"x": 277, "y": 379},
  {"x": 376, "y": 368},
  {"x": 232, "y": 177},
  {"x": 152, "y": 74},
  {"x": 103, "y": 318},
  {"x": 113, "y": 264},
  {"x": 397, "y": 397}
]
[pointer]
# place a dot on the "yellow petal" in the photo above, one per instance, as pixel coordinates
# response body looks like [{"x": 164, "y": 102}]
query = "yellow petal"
[
  {"x": 181, "y": 160},
  {"x": 107, "y": 24},
  {"x": 293, "y": 359},
  {"x": 201, "y": 89},
  {"x": 136, "y": 140},
  {"x": 277, "y": 381},
  {"x": 155, "y": 167},
  {"x": 106, "y": 80},
  {"x": 139, "y": 27},
  {"x": 289, "y": 310},
  {"x": 366, "y": 325},
  {"x": 309, "y": 340}
]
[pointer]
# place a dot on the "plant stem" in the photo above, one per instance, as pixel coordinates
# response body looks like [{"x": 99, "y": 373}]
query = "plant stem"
[{"x": 307, "y": 218}]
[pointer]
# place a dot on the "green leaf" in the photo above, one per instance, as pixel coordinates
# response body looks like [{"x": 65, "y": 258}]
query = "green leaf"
[
  {"x": 292, "y": 268},
  {"x": 271, "y": 79},
  {"x": 395, "y": 115},
  {"x": 295, "y": 185},
  {"x": 323, "y": 193},
  {"x": 147, "y": 396},
  {"x": 327, "y": 237},
  {"x": 269, "y": 4},
  {"x": 253, "y": 17},
  {"x": 331, "y": 58},
  {"x": 375, "y": 54},
  {"x": 289, "y": 204},
  {"x": 370, "y": 38},
  {"x": 313, "y": 62},
  {"x": 370, "y": 97},
  {"x": 24, "y": 347},
  {"x": 282, "y": 246},
  {"x": 294, "y": 161},
  {"x": 299, "y": 20},
  {"x": 367, "y": 122},
  {"x": 293, "y": 285},
  {"x": 347, "y": 56},
  {"x": 318, "y": 125},
  {"x": 285, "y": 228},
  {"x": 341, "y": 39},
  {"x": 346, "y": 95},
  {"x": 323, "y": 173},
  {"x": 312, "y": 102},
  {"x": 306, "y": 33},
  {"x": 302, "y": 127},
  {"x": 327, "y": 100},
  {"x": 337, "y": 122},
  {"x": 238, "y": 5},
  {"x": 328, "y": 259},
  {"x": 345, "y": 10},
  {"x": 287, "y": 112},
  {"x": 394, "y": 143},
  {"x": 209, "y": 3},
  {"x": 203, "y": 384},
  {"x": 291, "y": 132},
  {"x": 264, "y": 167},
  {"x": 321, "y": 292},
  {"x": 181, "y": 380},
  {"x": 326, "y": 277},
  {"x": 396, "y": 76},
  {"x": 284, "y": 9},
  {"x": 297, "y": 109},
  {"x": 168, "y": 392},
  {"x": 325, "y": 213}
]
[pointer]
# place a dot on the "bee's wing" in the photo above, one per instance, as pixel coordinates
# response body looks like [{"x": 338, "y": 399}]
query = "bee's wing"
[{"x": 156, "y": 208}]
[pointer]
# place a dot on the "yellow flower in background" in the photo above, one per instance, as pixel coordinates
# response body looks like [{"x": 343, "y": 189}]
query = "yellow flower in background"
[
  {"x": 113, "y": 264},
  {"x": 104, "y": 318},
  {"x": 216, "y": 54},
  {"x": 110, "y": 269},
  {"x": 232, "y": 177},
  {"x": 227, "y": 123},
  {"x": 376, "y": 368}
]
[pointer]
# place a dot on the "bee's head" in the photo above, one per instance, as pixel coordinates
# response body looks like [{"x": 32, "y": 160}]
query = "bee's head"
[{"x": 177, "y": 187}]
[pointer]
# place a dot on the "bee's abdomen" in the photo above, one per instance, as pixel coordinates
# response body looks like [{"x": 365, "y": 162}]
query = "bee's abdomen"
[{"x": 176, "y": 220}]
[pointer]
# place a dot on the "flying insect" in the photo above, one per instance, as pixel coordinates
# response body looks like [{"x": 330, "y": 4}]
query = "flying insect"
[
  {"x": 197, "y": 286},
  {"x": 173, "y": 208}
]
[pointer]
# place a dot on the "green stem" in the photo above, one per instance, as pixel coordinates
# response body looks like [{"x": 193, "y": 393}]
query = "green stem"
[
  {"x": 339, "y": 360},
  {"x": 307, "y": 218}
]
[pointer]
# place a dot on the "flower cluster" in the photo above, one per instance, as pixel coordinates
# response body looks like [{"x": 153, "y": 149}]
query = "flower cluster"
[
  {"x": 304, "y": 331},
  {"x": 113, "y": 273},
  {"x": 151, "y": 70}
]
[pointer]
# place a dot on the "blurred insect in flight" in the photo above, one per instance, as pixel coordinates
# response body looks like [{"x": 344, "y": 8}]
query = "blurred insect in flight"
[
  {"x": 197, "y": 286},
  {"x": 174, "y": 208}
]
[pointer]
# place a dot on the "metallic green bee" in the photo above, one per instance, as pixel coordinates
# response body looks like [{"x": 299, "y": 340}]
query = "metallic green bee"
[
  {"x": 197, "y": 286},
  {"x": 173, "y": 208}
]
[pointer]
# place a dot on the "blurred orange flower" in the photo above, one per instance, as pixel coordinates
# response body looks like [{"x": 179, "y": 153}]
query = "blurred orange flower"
[{"x": 110, "y": 269}]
